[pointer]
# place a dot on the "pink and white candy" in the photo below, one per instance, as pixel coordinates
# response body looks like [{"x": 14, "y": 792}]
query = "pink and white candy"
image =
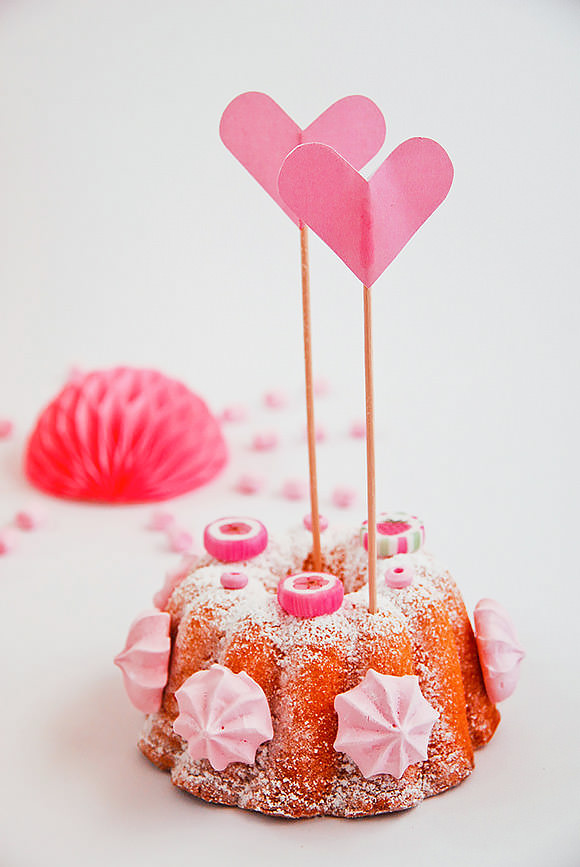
[
  {"x": 397, "y": 533},
  {"x": 233, "y": 580},
  {"x": 500, "y": 653},
  {"x": 232, "y": 540},
  {"x": 144, "y": 660},
  {"x": 322, "y": 522},
  {"x": 310, "y": 594},
  {"x": 400, "y": 574},
  {"x": 384, "y": 724},
  {"x": 224, "y": 717}
]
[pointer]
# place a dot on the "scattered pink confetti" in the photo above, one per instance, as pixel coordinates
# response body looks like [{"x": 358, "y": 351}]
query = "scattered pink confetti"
[
  {"x": 161, "y": 520},
  {"x": 6, "y": 428},
  {"x": 343, "y": 497},
  {"x": 233, "y": 413},
  {"x": 275, "y": 399},
  {"x": 28, "y": 519},
  {"x": 294, "y": 489},
  {"x": 180, "y": 540},
  {"x": 358, "y": 430},
  {"x": 322, "y": 522},
  {"x": 6, "y": 541},
  {"x": 248, "y": 484},
  {"x": 264, "y": 442}
]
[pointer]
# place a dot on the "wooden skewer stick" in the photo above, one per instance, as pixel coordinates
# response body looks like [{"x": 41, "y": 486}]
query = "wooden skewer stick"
[
  {"x": 370, "y": 417},
  {"x": 311, "y": 432}
]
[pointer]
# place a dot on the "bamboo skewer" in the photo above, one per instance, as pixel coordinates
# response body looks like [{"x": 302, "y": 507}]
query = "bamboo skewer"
[
  {"x": 310, "y": 427},
  {"x": 370, "y": 439}
]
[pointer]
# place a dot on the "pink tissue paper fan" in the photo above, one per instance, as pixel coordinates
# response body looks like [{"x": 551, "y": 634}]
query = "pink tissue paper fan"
[{"x": 124, "y": 436}]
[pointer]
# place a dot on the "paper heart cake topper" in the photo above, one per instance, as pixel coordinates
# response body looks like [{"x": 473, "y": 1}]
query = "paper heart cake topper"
[
  {"x": 366, "y": 223},
  {"x": 260, "y": 135}
]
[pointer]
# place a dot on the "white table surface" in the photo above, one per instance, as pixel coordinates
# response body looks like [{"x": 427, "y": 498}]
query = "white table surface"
[{"x": 130, "y": 235}]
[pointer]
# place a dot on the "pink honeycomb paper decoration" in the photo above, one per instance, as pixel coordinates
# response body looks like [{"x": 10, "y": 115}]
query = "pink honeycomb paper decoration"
[{"x": 124, "y": 436}]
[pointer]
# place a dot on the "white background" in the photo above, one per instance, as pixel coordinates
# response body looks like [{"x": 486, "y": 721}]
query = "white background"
[{"x": 129, "y": 234}]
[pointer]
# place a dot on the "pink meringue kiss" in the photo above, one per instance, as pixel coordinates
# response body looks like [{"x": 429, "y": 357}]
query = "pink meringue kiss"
[
  {"x": 224, "y": 717},
  {"x": 144, "y": 660},
  {"x": 161, "y": 520},
  {"x": 294, "y": 489},
  {"x": 249, "y": 484},
  {"x": 124, "y": 436},
  {"x": 500, "y": 653},
  {"x": 275, "y": 399},
  {"x": 343, "y": 497},
  {"x": 384, "y": 724},
  {"x": 265, "y": 442},
  {"x": 310, "y": 594},
  {"x": 174, "y": 578},
  {"x": 231, "y": 540},
  {"x": 28, "y": 519}
]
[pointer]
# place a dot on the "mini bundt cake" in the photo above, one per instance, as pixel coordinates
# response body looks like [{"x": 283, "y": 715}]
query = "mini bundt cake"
[{"x": 320, "y": 709}]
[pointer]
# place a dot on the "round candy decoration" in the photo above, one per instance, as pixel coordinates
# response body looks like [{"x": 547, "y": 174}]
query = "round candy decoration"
[
  {"x": 234, "y": 580},
  {"x": 310, "y": 594},
  {"x": 231, "y": 540},
  {"x": 397, "y": 533},
  {"x": 400, "y": 574}
]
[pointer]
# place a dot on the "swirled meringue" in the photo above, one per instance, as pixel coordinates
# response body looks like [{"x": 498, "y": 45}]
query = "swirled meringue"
[
  {"x": 384, "y": 724},
  {"x": 500, "y": 653},
  {"x": 224, "y": 717},
  {"x": 144, "y": 660}
]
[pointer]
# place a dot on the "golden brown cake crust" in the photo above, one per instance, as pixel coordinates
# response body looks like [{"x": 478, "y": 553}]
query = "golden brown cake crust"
[{"x": 302, "y": 665}]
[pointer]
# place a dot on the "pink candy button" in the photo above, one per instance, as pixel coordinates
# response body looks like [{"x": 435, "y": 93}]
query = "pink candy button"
[
  {"x": 234, "y": 580},
  {"x": 28, "y": 519},
  {"x": 322, "y": 522},
  {"x": 6, "y": 428},
  {"x": 400, "y": 575},
  {"x": 275, "y": 399},
  {"x": 233, "y": 413},
  {"x": 231, "y": 540},
  {"x": 310, "y": 594},
  {"x": 358, "y": 430}
]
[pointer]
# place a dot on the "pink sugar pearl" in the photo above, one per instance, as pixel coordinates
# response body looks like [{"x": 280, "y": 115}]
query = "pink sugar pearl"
[
  {"x": 180, "y": 541},
  {"x": 263, "y": 442},
  {"x": 6, "y": 542},
  {"x": 161, "y": 520},
  {"x": 6, "y": 428},
  {"x": 275, "y": 399},
  {"x": 294, "y": 489},
  {"x": 248, "y": 484},
  {"x": 234, "y": 580},
  {"x": 343, "y": 497},
  {"x": 28, "y": 519},
  {"x": 322, "y": 522},
  {"x": 358, "y": 430},
  {"x": 234, "y": 413}
]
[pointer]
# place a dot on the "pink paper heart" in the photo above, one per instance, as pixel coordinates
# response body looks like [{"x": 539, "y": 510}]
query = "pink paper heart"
[
  {"x": 261, "y": 135},
  {"x": 366, "y": 223}
]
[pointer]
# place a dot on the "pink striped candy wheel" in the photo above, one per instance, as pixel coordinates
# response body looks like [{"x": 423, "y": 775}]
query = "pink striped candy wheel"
[
  {"x": 231, "y": 540},
  {"x": 310, "y": 594},
  {"x": 397, "y": 533}
]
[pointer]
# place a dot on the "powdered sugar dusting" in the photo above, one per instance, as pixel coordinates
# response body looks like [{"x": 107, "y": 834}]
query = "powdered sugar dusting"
[{"x": 303, "y": 664}]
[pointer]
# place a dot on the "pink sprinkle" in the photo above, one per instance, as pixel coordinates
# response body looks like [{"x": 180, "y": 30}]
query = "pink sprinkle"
[
  {"x": 180, "y": 540},
  {"x": 294, "y": 489},
  {"x": 6, "y": 542},
  {"x": 358, "y": 430},
  {"x": 343, "y": 497},
  {"x": 248, "y": 484},
  {"x": 28, "y": 520},
  {"x": 322, "y": 522},
  {"x": 265, "y": 441},
  {"x": 321, "y": 387},
  {"x": 161, "y": 520},
  {"x": 233, "y": 413},
  {"x": 6, "y": 428},
  {"x": 275, "y": 399}
]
